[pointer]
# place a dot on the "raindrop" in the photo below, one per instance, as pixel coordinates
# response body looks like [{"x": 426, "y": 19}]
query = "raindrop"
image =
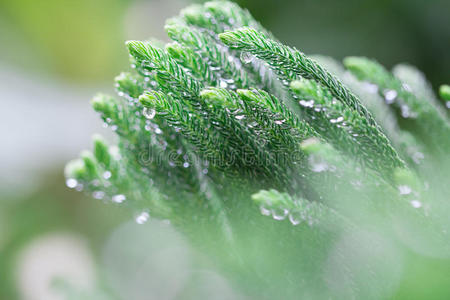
[
  {"x": 252, "y": 124},
  {"x": 98, "y": 194},
  {"x": 337, "y": 120},
  {"x": 416, "y": 203},
  {"x": 71, "y": 183},
  {"x": 404, "y": 189},
  {"x": 295, "y": 217},
  {"x": 406, "y": 112},
  {"x": 306, "y": 103},
  {"x": 142, "y": 217},
  {"x": 119, "y": 198},
  {"x": 279, "y": 213},
  {"x": 149, "y": 113},
  {"x": 264, "y": 210},
  {"x": 223, "y": 84},
  {"x": 246, "y": 57},
  {"x": 107, "y": 175},
  {"x": 390, "y": 96}
]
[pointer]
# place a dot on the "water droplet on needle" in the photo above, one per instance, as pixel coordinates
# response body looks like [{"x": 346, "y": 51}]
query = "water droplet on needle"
[
  {"x": 119, "y": 198},
  {"x": 149, "y": 113},
  {"x": 246, "y": 57},
  {"x": 142, "y": 217},
  {"x": 71, "y": 183}
]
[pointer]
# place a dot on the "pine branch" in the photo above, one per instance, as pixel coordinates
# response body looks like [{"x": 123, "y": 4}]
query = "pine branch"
[
  {"x": 170, "y": 76},
  {"x": 342, "y": 126},
  {"x": 290, "y": 62},
  {"x": 404, "y": 142},
  {"x": 420, "y": 113},
  {"x": 213, "y": 120},
  {"x": 216, "y": 57}
]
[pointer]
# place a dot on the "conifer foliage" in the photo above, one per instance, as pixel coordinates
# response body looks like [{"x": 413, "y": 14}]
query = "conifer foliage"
[{"x": 228, "y": 133}]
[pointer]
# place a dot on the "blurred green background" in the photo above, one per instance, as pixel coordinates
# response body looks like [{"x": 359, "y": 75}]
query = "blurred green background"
[{"x": 55, "y": 54}]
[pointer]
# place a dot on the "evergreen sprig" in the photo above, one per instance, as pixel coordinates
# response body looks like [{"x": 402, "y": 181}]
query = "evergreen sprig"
[
  {"x": 290, "y": 63},
  {"x": 430, "y": 122},
  {"x": 225, "y": 114}
]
